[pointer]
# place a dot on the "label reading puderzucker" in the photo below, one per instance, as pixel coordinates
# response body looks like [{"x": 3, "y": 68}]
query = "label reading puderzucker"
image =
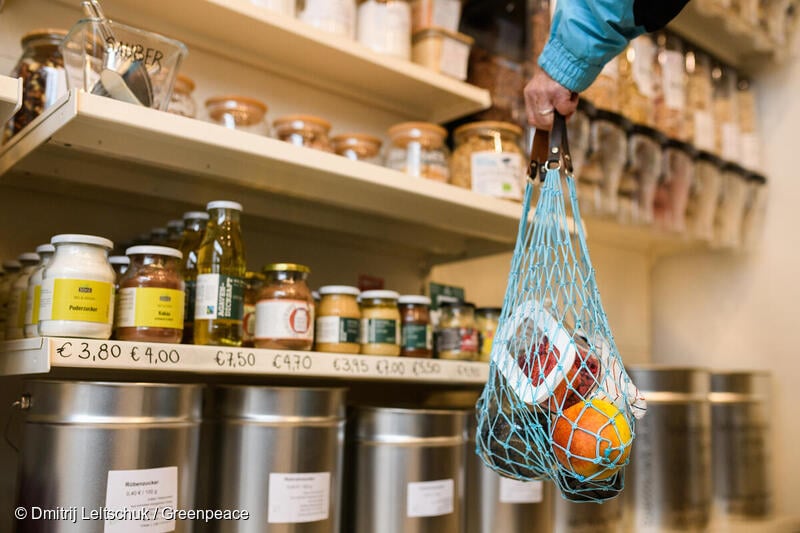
[
  {"x": 219, "y": 297},
  {"x": 417, "y": 337},
  {"x": 337, "y": 330},
  {"x": 379, "y": 331},
  {"x": 146, "y": 307},
  {"x": 76, "y": 300},
  {"x": 284, "y": 319}
]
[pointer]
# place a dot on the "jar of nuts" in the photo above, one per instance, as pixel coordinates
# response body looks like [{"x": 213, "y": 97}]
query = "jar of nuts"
[
  {"x": 489, "y": 160},
  {"x": 418, "y": 149},
  {"x": 44, "y": 80}
]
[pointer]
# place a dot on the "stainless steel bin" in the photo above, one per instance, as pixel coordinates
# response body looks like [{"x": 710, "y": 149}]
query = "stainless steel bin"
[
  {"x": 91, "y": 445},
  {"x": 278, "y": 454},
  {"x": 668, "y": 481},
  {"x": 587, "y": 517},
  {"x": 408, "y": 471}
]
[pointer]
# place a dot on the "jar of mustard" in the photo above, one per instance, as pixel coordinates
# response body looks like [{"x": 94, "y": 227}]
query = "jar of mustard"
[
  {"x": 457, "y": 336},
  {"x": 285, "y": 309},
  {"x": 416, "y": 333},
  {"x": 380, "y": 323},
  {"x": 338, "y": 320}
]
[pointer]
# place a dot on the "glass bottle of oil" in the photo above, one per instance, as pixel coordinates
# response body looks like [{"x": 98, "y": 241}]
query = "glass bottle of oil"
[
  {"x": 194, "y": 227},
  {"x": 219, "y": 299}
]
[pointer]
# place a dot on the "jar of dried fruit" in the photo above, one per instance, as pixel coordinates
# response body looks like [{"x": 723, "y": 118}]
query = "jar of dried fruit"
[{"x": 44, "y": 79}]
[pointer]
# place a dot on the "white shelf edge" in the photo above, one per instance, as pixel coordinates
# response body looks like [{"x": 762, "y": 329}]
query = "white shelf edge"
[
  {"x": 10, "y": 97},
  {"x": 30, "y": 355}
]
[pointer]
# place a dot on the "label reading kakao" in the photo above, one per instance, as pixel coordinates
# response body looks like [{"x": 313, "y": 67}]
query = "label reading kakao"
[
  {"x": 148, "y": 307},
  {"x": 337, "y": 330},
  {"x": 76, "y": 300},
  {"x": 219, "y": 297},
  {"x": 379, "y": 331},
  {"x": 417, "y": 337}
]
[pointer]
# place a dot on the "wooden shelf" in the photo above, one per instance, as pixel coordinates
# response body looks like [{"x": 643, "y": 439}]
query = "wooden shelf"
[
  {"x": 244, "y": 32},
  {"x": 10, "y": 97},
  {"x": 44, "y": 355}
]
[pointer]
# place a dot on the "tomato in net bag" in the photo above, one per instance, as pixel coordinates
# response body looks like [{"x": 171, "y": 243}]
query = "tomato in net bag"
[{"x": 558, "y": 404}]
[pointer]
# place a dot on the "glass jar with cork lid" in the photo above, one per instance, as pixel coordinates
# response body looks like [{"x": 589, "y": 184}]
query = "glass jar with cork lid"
[{"x": 419, "y": 150}]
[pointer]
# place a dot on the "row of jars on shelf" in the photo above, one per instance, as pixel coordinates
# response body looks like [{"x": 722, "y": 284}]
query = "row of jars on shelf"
[
  {"x": 640, "y": 176},
  {"x": 777, "y": 19}
]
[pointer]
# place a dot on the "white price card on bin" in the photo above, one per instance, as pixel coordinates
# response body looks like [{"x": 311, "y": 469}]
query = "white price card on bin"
[
  {"x": 431, "y": 498},
  {"x": 513, "y": 491},
  {"x": 299, "y": 498},
  {"x": 136, "y": 497}
]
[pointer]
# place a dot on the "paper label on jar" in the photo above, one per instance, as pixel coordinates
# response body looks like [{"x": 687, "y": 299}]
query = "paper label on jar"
[
  {"x": 751, "y": 151},
  {"x": 457, "y": 340},
  {"x": 76, "y": 300},
  {"x": 249, "y": 323},
  {"x": 284, "y": 319},
  {"x": 139, "y": 496},
  {"x": 430, "y": 498},
  {"x": 704, "y": 137},
  {"x": 337, "y": 330},
  {"x": 644, "y": 54},
  {"x": 513, "y": 491},
  {"x": 497, "y": 174},
  {"x": 454, "y": 59},
  {"x": 729, "y": 132},
  {"x": 219, "y": 297},
  {"x": 416, "y": 337},
  {"x": 33, "y": 298},
  {"x": 673, "y": 76},
  {"x": 150, "y": 307},
  {"x": 299, "y": 498},
  {"x": 379, "y": 331}
]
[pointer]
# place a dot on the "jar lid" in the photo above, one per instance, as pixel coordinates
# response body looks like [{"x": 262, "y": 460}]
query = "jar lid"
[
  {"x": 292, "y": 119},
  {"x": 379, "y": 295},
  {"x": 413, "y": 299},
  {"x": 154, "y": 250},
  {"x": 159, "y": 231},
  {"x": 760, "y": 179},
  {"x": 437, "y": 31},
  {"x": 45, "y": 249},
  {"x": 232, "y": 100},
  {"x": 12, "y": 265},
  {"x": 339, "y": 289},
  {"x": 176, "y": 224},
  {"x": 28, "y": 257},
  {"x": 489, "y": 124},
  {"x": 683, "y": 146},
  {"x": 186, "y": 82},
  {"x": 417, "y": 130},
  {"x": 32, "y": 35},
  {"x": 354, "y": 139},
  {"x": 224, "y": 204},
  {"x": 119, "y": 260},
  {"x": 286, "y": 267},
  {"x": 196, "y": 215},
  {"x": 703, "y": 155},
  {"x": 497, "y": 310},
  {"x": 647, "y": 131},
  {"x": 729, "y": 166},
  {"x": 76, "y": 238}
]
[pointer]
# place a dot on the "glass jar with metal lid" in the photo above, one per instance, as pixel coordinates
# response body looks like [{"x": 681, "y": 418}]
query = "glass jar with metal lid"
[
  {"x": 338, "y": 320},
  {"x": 416, "y": 332},
  {"x": 358, "y": 147},
  {"x": 489, "y": 160},
  {"x": 380, "y": 323},
  {"x": 418, "y": 149},
  {"x": 151, "y": 296},
  {"x": 304, "y": 130},
  {"x": 487, "y": 320},
  {"x": 44, "y": 79},
  {"x": 182, "y": 102},
  {"x": 457, "y": 334},
  {"x": 285, "y": 309},
  {"x": 238, "y": 113}
]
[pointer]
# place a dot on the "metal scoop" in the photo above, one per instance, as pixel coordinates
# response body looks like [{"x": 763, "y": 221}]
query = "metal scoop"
[{"x": 122, "y": 78}]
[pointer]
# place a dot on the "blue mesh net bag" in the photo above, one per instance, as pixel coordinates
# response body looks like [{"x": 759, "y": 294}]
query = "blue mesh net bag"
[{"x": 558, "y": 404}]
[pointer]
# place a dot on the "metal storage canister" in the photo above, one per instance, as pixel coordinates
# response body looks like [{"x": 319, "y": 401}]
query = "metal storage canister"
[
  {"x": 86, "y": 443},
  {"x": 588, "y": 517},
  {"x": 408, "y": 471},
  {"x": 495, "y": 504},
  {"x": 279, "y": 454},
  {"x": 668, "y": 482},
  {"x": 739, "y": 441}
]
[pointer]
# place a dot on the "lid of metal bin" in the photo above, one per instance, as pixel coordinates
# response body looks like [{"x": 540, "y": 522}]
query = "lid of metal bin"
[
  {"x": 382, "y": 425},
  {"x": 663, "y": 383},
  {"x": 279, "y": 405},
  {"x": 739, "y": 386}
]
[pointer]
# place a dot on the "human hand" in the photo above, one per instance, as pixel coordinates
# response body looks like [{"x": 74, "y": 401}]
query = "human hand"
[{"x": 543, "y": 95}]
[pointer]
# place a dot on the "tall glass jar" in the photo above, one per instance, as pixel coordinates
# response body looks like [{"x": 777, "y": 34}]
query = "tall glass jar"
[
  {"x": 700, "y": 101},
  {"x": 380, "y": 323},
  {"x": 418, "y": 149},
  {"x": 726, "y": 112},
  {"x": 385, "y": 27},
  {"x": 304, "y": 130},
  {"x": 603, "y": 93},
  {"x": 670, "y": 105},
  {"x": 488, "y": 159},
  {"x": 44, "y": 79},
  {"x": 182, "y": 102},
  {"x": 285, "y": 309},
  {"x": 637, "y": 81},
  {"x": 45, "y": 252},
  {"x": 193, "y": 231},
  {"x": 221, "y": 266},
  {"x": 749, "y": 139},
  {"x": 334, "y": 16},
  {"x": 457, "y": 333}
]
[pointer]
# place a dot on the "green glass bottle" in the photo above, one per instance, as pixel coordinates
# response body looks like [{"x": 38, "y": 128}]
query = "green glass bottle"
[
  {"x": 221, "y": 266},
  {"x": 194, "y": 227}
]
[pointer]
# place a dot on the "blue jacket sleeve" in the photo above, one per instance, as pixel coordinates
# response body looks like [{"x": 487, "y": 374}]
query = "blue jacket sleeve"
[{"x": 584, "y": 36}]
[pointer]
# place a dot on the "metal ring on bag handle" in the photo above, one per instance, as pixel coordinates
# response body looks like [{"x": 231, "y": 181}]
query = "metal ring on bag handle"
[{"x": 559, "y": 145}]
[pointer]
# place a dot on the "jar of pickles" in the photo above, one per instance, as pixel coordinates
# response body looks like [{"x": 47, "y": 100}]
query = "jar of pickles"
[
  {"x": 670, "y": 104},
  {"x": 457, "y": 334},
  {"x": 380, "y": 323},
  {"x": 285, "y": 309},
  {"x": 416, "y": 332},
  {"x": 182, "y": 102},
  {"x": 487, "y": 319},
  {"x": 488, "y": 159},
  {"x": 672, "y": 195},
  {"x": 358, "y": 147},
  {"x": 338, "y": 320},
  {"x": 304, "y": 130},
  {"x": 238, "y": 113},
  {"x": 637, "y": 81},
  {"x": 704, "y": 196},
  {"x": 418, "y": 149}
]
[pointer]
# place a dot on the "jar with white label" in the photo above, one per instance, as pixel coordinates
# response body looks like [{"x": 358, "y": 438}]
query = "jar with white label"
[
  {"x": 670, "y": 104},
  {"x": 285, "y": 309},
  {"x": 418, "y": 149},
  {"x": 700, "y": 101},
  {"x": 457, "y": 334},
  {"x": 334, "y": 16},
  {"x": 726, "y": 113},
  {"x": 385, "y": 27},
  {"x": 338, "y": 320},
  {"x": 637, "y": 81},
  {"x": 77, "y": 297},
  {"x": 18, "y": 297},
  {"x": 489, "y": 160},
  {"x": 380, "y": 323},
  {"x": 34, "y": 292}
]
